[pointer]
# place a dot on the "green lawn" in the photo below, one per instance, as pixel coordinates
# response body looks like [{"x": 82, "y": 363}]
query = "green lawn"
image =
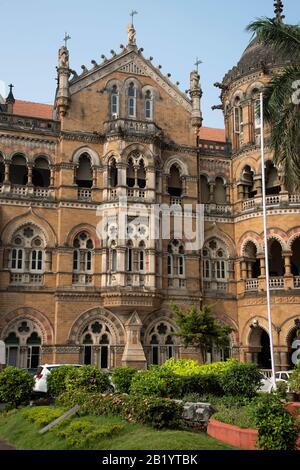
[{"x": 24, "y": 435}]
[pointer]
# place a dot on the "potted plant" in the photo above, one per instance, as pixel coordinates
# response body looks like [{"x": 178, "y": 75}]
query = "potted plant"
[{"x": 294, "y": 384}]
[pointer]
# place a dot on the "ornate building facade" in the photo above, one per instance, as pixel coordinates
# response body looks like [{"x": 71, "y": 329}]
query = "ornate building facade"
[{"x": 122, "y": 131}]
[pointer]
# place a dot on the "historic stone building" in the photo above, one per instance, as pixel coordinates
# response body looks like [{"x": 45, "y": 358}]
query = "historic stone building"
[{"x": 122, "y": 131}]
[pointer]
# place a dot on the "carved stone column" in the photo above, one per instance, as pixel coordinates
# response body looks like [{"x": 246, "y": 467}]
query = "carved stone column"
[
  {"x": 6, "y": 172},
  {"x": 29, "y": 177},
  {"x": 94, "y": 170},
  {"x": 244, "y": 269},
  {"x": 287, "y": 264},
  {"x": 211, "y": 192},
  {"x": 134, "y": 355},
  {"x": 262, "y": 266},
  {"x": 52, "y": 176}
]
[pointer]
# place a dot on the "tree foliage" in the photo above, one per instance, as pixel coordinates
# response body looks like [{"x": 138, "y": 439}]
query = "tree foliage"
[
  {"x": 198, "y": 328},
  {"x": 280, "y": 108}
]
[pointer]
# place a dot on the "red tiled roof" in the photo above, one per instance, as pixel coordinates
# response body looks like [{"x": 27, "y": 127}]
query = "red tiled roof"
[
  {"x": 210, "y": 133},
  {"x": 38, "y": 110}
]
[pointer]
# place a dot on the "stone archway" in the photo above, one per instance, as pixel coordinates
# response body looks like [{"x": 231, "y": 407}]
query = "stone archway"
[{"x": 259, "y": 347}]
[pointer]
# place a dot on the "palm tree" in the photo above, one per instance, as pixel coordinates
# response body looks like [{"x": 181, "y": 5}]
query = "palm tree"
[{"x": 282, "y": 95}]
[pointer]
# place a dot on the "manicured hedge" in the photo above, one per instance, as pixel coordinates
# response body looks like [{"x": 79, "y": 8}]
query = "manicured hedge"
[
  {"x": 157, "y": 412},
  {"x": 15, "y": 386},
  {"x": 156, "y": 381},
  {"x": 122, "y": 378}
]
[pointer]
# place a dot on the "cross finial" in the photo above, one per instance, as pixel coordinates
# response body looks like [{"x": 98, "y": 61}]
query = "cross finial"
[
  {"x": 278, "y": 9},
  {"x": 197, "y": 63},
  {"x": 133, "y": 12},
  {"x": 66, "y": 39},
  {"x": 11, "y": 86}
]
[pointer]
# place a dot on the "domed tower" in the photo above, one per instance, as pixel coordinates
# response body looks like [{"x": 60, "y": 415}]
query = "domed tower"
[{"x": 241, "y": 88}]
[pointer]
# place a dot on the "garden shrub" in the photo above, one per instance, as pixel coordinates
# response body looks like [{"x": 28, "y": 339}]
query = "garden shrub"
[
  {"x": 187, "y": 367},
  {"x": 56, "y": 380},
  {"x": 42, "y": 415},
  {"x": 241, "y": 379},
  {"x": 81, "y": 433},
  {"x": 70, "y": 398},
  {"x": 15, "y": 386},
  {"x": 294, "y": 380},
  {"x": 89, "y": 378},
  {"x": 202, "y": 384},
  {"x": 277, "y": 429},
  {"x": 157, "y": 412},
  {"x": 157, "y": 382},
  {"x": 122, "y": 378}
]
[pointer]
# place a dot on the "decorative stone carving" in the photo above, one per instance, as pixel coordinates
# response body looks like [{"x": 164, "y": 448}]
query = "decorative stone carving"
[
  {"x": 131, "y": 35},
  {"x": 63, "y": 57}
]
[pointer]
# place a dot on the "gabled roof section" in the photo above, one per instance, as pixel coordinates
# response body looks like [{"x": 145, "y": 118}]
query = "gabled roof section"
[
  {"x": 30, "y": 109},
  {"x": 130, "y": 61},
  {"x": 212, "y": 134}
]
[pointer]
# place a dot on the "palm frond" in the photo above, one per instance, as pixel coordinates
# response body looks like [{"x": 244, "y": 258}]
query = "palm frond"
[{"x": 284, "y": 38}]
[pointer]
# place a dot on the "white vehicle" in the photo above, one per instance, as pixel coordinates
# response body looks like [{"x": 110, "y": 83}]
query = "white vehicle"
[
  {"x": 43, "y": 371},
  {"x": 283, "y": 375}
]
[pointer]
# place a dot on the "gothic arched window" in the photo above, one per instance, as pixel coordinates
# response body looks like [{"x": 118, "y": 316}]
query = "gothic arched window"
[
  {"x": 96, "y": 341},
  {"x": 148, "y": 105},
  {"x": 114, "y": 102},
  {"x": 176, "y": 264},
  {"x": 215, "y": 264},
  {"x": 83, "y": 247},
  {"x": 160, "y": 343},
  {"x": 84, "y": 174},
  {"x": 132, "y": 100},
  {"x": 27, "y": 255},
  {"x": 23, "y": 345}
]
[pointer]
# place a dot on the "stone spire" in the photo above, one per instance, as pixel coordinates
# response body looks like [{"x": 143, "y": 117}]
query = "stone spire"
[
  {"x": 196, "y": 94},
  {"x": 10, "y": 100},
  {"x": 278, "y": 10},
  {"x": 63, "y": 75}
]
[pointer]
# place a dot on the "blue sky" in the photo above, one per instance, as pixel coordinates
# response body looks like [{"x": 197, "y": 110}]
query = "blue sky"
[{"x": 174, "y": 32}]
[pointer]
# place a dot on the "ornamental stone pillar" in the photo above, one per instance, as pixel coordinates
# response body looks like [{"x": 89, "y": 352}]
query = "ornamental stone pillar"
[
  {"x": 287, "y": 264},
  {"x": 211, "y": 192},
  {"x": 134, "y": 355},
  {"x": 29, "y": 175}
]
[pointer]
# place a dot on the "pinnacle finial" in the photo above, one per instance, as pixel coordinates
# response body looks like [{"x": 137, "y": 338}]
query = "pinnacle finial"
[{"x": 278, "y": 10}]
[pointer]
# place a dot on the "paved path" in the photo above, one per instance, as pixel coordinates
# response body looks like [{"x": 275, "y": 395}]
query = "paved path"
[{"x": 5, "y": 446}]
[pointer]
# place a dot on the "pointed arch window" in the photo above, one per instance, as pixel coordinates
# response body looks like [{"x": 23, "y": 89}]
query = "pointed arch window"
[
  {"x": 142, "y": 257},
  {"x": 176, "y": 264},
  {"x": 114, "y": 102},
  {"x": 132, "y": 100},
  {"x": 148, "y": 105},
  {"x": 129, "y": 257},
  {"x": 161, "y": 343},
  {"x": 113, "y": 254},
  {"x": 83, "y": 248}
]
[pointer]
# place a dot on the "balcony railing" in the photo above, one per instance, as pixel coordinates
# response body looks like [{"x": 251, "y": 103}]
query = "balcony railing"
[
  {"x": 294, "y": 199},
  {"x": 84, "y": 194},
  {"x": 274, "y": 200},
  {"x": 18, "y": 190},
  {"x": 252, "y": 285},
  {"x": 297, "y": 282},
  {"x": 82, "y": 279},
  {"x": 215, "y": 286},
  {"x": 28, "y": 123},
  {"x": 131, "y": 126},
  {"x": 136, "y": 193},
  {"x": 176, "y": 283},
  {"x": 41, "y": 192},
  {"x": 175, "y": 201},
  {"x": 17, "y": 279},
  {"x": 219, "y": 209},
  {"x": 276, "y": 283}
]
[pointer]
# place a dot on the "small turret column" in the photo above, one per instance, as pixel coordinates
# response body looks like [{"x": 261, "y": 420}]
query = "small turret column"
[
  {"x": 63, "y": 75},
  {"x": 196, "y": 94}
]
